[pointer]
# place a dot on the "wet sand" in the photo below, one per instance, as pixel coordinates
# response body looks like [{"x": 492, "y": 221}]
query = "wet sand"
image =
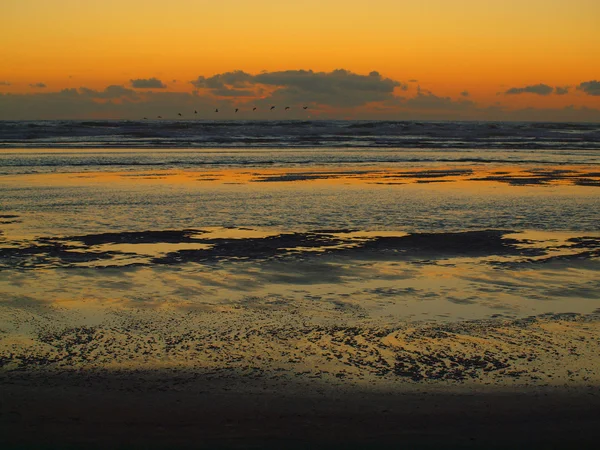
[
  {"x": 133, "y": 329},
  {"x": 574, "y": 175}
]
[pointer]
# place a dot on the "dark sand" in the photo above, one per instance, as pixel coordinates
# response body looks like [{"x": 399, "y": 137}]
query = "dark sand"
[{"x": 162, "y": 410}]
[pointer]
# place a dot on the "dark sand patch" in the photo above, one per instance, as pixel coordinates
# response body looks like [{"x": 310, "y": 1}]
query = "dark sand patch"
[
  {"x": 534, "y": 177},
  {"x": 433, "y": 173},
  {"x": 51, "y": 255},
  {"x": 137, "y": 237},
  {"x": 59, "y": 251}
]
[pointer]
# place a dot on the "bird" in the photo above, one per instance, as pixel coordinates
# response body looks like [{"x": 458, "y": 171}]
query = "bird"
[
  {"x": 217, "y": 110},
  {"x": 254, "y": 109},
  {"x": 272, "y": 108},
  {"x": 287, "y": 107},
  {"x": 159, "y": 117},
  {"x": 145, "y": 118},
  {"x": 305, "y": 107},
  {"x": 236, "y": 109},
  {"x": 195, "y": 112},
  {"x": 179, "y": 114}
]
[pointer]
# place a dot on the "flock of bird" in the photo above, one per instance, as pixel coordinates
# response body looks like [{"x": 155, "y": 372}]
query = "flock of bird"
[{"x": 236, "y": 110}]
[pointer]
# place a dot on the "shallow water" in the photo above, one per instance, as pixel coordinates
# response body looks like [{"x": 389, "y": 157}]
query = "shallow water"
[{"x": 347, "y": 244}]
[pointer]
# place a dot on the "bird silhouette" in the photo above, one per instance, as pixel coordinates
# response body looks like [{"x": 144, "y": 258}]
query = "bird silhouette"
[
  {"x": 195, "y": 112},
  {"x": 236, "y": 110},
  {"x": 159, "y": 117},
  {"x": 272, "y": 108},
  {"x": 287, "y": 107},
  {"x": 217, "y": 110},
  {"x": 179, "y": 114},
  {"x": 305, "y": 107},
  {"x": 145, "y": 118},
  {"x": 254, "y": 109}
]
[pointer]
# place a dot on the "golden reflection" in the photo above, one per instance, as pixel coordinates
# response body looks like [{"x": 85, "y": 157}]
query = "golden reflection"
[{"x": 441, "y": 177}]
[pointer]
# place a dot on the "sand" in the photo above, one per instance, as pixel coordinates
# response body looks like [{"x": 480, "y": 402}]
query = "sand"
[
  {"x": 529, "y": 382},
  {"x": 172, "y": 334},
  {"x": 159, "y": 410}
]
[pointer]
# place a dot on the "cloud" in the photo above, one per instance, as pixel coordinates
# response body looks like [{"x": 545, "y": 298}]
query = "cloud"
[
  {"x": 85, "y": 103},
  {"x": 114, "y": 102},
  {"x": 110, "y": 92},
  {"x": 590, "y": 87},
  {"x": 147, "y": 83},
  {"x": 538, "y": 89},
  {"x": 226, "y": 92},
  {"x": 235, "y": 79},
  {"x": 329, "y": 95},
  {"x": 4, "y": 83},
  {"x": 339, "y": 88},
  {"x": 558, "y": 90},
  {"x": 38, "y": 85}
]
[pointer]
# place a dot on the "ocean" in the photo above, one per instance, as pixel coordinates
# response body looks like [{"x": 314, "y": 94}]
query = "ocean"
[{"x": 323, "y": 134}]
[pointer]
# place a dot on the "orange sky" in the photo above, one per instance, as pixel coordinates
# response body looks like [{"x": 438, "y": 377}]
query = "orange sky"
[{"x": 484, "y": 47}]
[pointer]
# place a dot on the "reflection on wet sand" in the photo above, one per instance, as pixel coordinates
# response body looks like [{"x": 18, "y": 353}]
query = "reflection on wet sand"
[
  {"x": 327, "y": 278},
  {"x": 506, "y": 174},
  {"x": 100, "y": 294}
]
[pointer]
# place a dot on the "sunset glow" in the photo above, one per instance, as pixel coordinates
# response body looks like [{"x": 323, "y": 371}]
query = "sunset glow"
[{"x": 466, "y": 50}]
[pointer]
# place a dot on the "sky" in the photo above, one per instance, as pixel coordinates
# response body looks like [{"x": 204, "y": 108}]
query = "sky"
[{"x": 392, "y": 59}]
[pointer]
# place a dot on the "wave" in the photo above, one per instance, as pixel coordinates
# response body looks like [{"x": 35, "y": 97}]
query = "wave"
[{"x": 297, "y": 134}]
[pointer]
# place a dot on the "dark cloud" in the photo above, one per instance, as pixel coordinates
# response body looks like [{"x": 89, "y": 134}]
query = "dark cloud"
[
  {"x": 38, "y": 85},
  {"x": 339, "y": 88},
  {"x": 558, "y": 90},
  {"x": 114, "y": 102},
  {"x": 226, "y": 92},
  {"x": 329, "y": 95},
  {"x": 538, "y": 89},
  {"x": 4, "y": 83},
  {"x": 590, "y": 87},
  {"x": 147, "y": 83},
  {"x": 110, "y": 92},
  {"x": 235, "y": 79}
]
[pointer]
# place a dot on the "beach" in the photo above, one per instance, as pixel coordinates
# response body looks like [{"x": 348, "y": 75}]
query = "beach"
[
  {"x": 167, "y": 381},
  {"x": 237, "y": 298},
  {"x": 321, "y": 225}
]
